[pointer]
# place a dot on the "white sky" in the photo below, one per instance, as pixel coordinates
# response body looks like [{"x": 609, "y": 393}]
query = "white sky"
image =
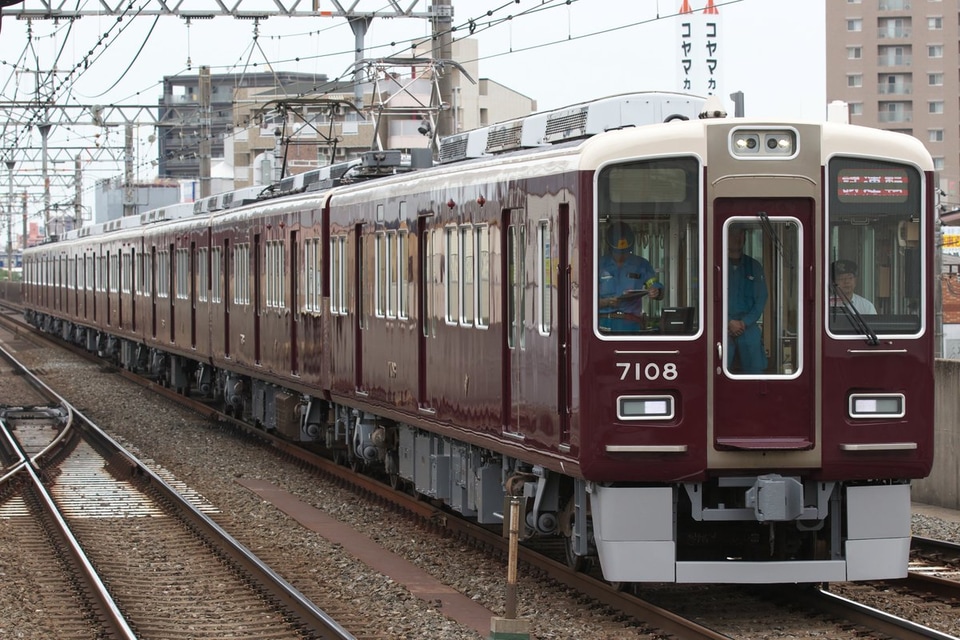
[{"x": 772, "y": 50}]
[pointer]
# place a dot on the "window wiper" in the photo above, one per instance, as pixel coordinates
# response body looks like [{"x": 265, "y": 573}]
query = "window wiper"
[{"x": 856, "y": 318}]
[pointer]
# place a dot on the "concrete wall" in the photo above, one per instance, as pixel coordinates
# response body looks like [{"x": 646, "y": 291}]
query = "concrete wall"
[{"x": 942, "y": 487}]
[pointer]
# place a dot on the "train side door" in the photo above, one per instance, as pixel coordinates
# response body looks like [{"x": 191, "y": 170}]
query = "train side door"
[
  {"x": 360, "y": 307},
  {"x": 426, "y": 284},
  {"x": 227, "y": 274},
  {"x": 763, "y": 320},
  {"x": 191, "y": 278},
  {"x": 514, "y": 305},
  {"x": 294, "y": 304}
]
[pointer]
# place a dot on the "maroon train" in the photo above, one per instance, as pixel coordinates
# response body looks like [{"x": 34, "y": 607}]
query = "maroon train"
[{"x": 445, "y": 325}]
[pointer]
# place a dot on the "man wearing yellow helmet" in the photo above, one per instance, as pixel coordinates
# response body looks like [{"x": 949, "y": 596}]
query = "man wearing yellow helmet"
[{"x": 625, "y": 279}]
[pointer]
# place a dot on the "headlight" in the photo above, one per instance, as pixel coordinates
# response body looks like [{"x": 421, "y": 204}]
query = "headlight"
[
  {"x": 645, "y": 408},
  {"x": 877, "y": 405},
  {"x": 763, "y": 143}
]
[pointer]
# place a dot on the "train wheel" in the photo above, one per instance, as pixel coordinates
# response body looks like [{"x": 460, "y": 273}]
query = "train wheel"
[{"x": 395, "y": 481}]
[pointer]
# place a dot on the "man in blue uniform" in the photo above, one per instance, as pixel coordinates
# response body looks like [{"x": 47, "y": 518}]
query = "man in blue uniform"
[
  {"x": 746, "y": 297},
  {"x": 625, "y": 280}
]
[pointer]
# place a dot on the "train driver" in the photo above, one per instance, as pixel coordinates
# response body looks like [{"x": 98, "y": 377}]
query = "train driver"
[
  {"x": 746, "y": 298},
  {"x": 845, "y": 279},
  {"x": 625, "y": 280}
]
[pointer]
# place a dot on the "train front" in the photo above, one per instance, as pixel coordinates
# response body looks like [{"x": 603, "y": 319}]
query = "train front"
[{"x": 756, "y": 387}]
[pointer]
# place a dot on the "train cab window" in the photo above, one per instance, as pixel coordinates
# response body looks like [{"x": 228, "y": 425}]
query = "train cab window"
[
  {"x": 647, "y": 251},
  {"x": 873, "y": 269}
]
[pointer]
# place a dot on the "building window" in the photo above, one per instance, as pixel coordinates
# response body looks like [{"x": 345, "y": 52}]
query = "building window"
[
  {"x": 855, "y": 80},
  {"x": 854, "y": 53},
  {"x": 935, "y": 51},
  {"x": 936, "y": 106},
  {"x": 935, "y": 23},
  {"x": 856, "y": 108},
  {"x": 935, "y": 135},
  {"x": 938, "y": 164},
  {"x": 855, "y": 24},
  {"x": 935, "y": 79}
]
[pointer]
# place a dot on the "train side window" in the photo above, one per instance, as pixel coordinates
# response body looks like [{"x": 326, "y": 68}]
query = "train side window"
[
  {"x": 380, "y": 268},
  {"x": 216, "y": 275},
  {"x": 873, "y": 276},
  {"x": 452, "y": 253},
  {"x": 241, "y": 273},
  {"x": 126, "y": 272},
  {"x": 338, "y": 275},
  {"x": 203, "y": 274},
  {"x": 163, "y": 267},
  {"x": 545, "y": 282},
  {"x": 482, "y": 238},
  {"x": 312, "y": 270},
  {"x": 391, "y": 273},
  {"x": 404, "y": 276},
  {"x": 275, "y": 270},
  {"x": 183, "y": 273},
  {"x": 467, "y": 270}
]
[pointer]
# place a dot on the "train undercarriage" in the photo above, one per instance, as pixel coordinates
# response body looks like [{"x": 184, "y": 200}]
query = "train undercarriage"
[{"x": 766, "y": 528}]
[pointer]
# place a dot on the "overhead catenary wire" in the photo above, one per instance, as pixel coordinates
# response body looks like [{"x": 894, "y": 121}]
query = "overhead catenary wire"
[{"x": 501, "y": 16}]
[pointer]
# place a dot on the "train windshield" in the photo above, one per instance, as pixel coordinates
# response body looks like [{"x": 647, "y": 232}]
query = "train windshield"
[
  {"x": 874, "y": 252},
  {"x": 648, "y": 256}
]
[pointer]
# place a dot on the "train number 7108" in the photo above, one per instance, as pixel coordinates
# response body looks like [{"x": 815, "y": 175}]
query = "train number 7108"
[{"x": 649, "y": 371}]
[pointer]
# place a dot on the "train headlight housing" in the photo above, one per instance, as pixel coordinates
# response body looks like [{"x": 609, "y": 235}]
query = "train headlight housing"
[
  {"x": 645, "y": 408},
  {"x": 877, "y": 405},
  {"x": 746, "y": 143},
  {"x": 763, "y": 143}
]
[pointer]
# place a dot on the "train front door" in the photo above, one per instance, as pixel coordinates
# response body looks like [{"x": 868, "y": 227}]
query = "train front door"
[{"x": 764, "y": 367}]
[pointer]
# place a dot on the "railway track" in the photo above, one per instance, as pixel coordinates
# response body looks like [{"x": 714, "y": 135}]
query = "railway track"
[
  {"x": 151, "y": 562},
  {"x": 670, "y": 618}
]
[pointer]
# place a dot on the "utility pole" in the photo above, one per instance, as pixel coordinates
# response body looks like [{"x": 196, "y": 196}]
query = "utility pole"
[
  {"x": 443, "y": 50},
  {"x": 205, "y": 147},
  {"x": 77, "y": 192},
  {"x": 10, "y": 165},
  {"x": 129, "y": 205},
  {"x": 44, "y": 128}
]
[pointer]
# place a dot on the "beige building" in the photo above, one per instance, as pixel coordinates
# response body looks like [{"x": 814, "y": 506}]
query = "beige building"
[
  {"x": 896, "y": 64},
  {"x": 321, "y": 127}
]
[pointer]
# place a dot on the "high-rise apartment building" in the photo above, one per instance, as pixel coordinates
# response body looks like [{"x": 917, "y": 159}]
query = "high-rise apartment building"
[{"x": 896, "y": 64}]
